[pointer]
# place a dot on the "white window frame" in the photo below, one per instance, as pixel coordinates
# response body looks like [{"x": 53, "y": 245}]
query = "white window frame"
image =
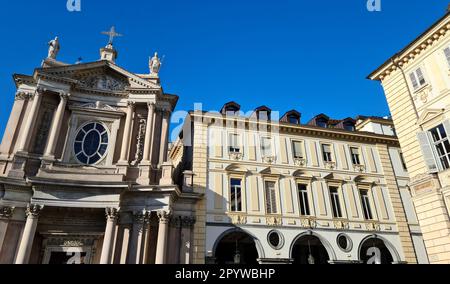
[
  {"x": 434, "y": 145},
  {"x": 302, "y": 146},
  {"x": 301, "y": 198},
  {"x": 366, "y": 204},
  {"x": 446, "y": 52},
  {"x": 269, "y": 202},
  {"x": 232, "y": 148},
  {"x": 263, "y": 154},
  {"x": 414, "y": 78},
  {"x": 235, "y": 188},
  {"x": 334, "y": 207},
  {"x": 322, "y": 148},
  {"x": 359, "y": 155}
]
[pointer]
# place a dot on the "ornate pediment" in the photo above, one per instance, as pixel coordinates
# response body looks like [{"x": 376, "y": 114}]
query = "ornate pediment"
[
  {"x": 270, "y": 172},
  {"x": 237, "y": 168},
  {"x": 428, "y": 115},
  {"x": 103, "y": 82},
  {"x": 96, "y": 105}
]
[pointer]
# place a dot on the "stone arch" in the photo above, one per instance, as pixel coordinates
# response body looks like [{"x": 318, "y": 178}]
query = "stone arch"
[
  {"x": 257, "y": 242},
  {"x": 328, "y": 247},
  {"x": 392, "y": 250}
]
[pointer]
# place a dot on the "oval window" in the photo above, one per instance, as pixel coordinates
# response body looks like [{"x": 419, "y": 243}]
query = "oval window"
[
  {"x": 275, "y": 240},
  {"x": 344, "y": 243}
]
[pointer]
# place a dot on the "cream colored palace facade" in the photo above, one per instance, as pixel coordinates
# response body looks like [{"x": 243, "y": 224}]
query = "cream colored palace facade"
[
  {"x": 284, "y": 192},
  {"x": 85, "y": 140},
  {"x": 417, "y": 85}
]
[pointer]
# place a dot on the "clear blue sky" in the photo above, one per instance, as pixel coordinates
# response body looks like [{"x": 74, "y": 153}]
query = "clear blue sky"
[{"x": 312, "y": 56}]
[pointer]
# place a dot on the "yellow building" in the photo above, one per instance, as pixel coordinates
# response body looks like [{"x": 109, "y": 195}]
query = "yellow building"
[{"x": 417, "y": 85}]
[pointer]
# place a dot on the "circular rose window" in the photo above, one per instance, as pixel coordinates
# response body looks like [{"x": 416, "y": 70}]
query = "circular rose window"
[{"x": 91, "y": 143}]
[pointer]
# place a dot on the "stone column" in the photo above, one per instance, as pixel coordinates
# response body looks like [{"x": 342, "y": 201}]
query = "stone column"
[
  {"x": 186, "y": 233},
  {"x": 5, "y": 214},
  {"x": 13, "y": 122},
  {"x": 56, "y": 127},
  {"x": 26, "y": 243},
  {"x": 164, "y": 218},
  {"x": 110, "y": 232},
  {"x": 135, "y": 250},
  {"x": 125, "y": 151},
  {"x": 28, "y": 127},
  {"x": 149, "y": 133},
  {"x": 164, "y": 137}
]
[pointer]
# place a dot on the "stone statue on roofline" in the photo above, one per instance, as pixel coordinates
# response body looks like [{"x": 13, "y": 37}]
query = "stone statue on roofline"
[
  {"x": 155, "y": 64},
  {"x": 53, "y": 48}
]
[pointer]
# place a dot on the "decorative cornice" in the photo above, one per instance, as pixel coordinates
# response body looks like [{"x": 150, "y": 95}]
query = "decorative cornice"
[
  {"x": 353, "y": 136},
  {"x": 413, "y": 50}
]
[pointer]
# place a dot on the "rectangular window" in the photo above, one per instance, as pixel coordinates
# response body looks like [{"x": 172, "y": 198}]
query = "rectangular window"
[
  {"x": 235, "y": 145},
  {"x": 271, "y": 198},
  {"x": 417, "y": 78},
  {"x": 402, "y": 159},
  {"x": 327, "y": 156},
  {"x": 442, "y": 145},
  {"x": 236, "y": 195},
  {"x": 365, "y": 200},
  {"x": 355, "y": 156},
  {"x": 335, "y": 202},
  {"x": 266, "y": 146},
  {"x": 447, "y": 54},
  {"x": 304, "y": 201},
  {"x": 298, "y": 150}
]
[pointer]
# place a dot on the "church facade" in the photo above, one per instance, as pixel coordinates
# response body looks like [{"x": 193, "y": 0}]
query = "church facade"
[{"x": 84, "y": 171}]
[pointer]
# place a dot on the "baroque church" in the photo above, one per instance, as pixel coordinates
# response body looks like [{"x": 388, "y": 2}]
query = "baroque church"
[{"x": 84, "y": 170}]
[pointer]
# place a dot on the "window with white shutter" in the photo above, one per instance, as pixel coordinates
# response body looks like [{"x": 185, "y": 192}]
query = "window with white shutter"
[
  {"x": 271, "y": 198},
  {"x": 427, "y": 151},
  {"x": 298, "y": 150},
  {"x": 235, "y": 145},
  {"x": 417, "y": 78},
  {"x": 447, "y": 54}
]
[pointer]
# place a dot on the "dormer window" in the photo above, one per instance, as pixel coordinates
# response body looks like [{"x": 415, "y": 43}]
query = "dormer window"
[
  {"x": 322, "y": 123},
  {"x": 263, "y": 113},
  {"x": 230, "y": 108},
  {"x": 349, "y": 126},
  {"x": 293, "y": 119}
]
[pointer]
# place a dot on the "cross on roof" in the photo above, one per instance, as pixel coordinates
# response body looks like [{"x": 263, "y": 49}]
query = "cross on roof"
[{"x": 112, "y": 34}]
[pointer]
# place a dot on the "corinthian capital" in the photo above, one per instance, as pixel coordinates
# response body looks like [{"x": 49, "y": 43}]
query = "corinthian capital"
[
  {"x": 6, "y": 212},
  {"x": 188, "y": 221},
  {"x": 33, "y": 210},
  {"x": 140, "y": 216},
  {"x": 64, "y": 96},
  {"x": 21, "y": 96},
  {"x": 112, "y": 214},
  {"x": 164, "y": 216}
]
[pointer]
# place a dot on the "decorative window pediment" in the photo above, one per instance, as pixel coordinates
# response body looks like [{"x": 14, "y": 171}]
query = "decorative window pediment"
[
  {"x": 303, "y": 175},
  {"x": 270, "y": 172},
  {"x": 334, "y": 178},
  {"x": 236, "y": 168},
  {"x": 430, "y": 115}
]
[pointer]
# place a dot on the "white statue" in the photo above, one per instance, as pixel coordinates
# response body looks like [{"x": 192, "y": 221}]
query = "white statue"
[
  {"x": 155, "y": 64},
  {"x": 53, "y": 48}
]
